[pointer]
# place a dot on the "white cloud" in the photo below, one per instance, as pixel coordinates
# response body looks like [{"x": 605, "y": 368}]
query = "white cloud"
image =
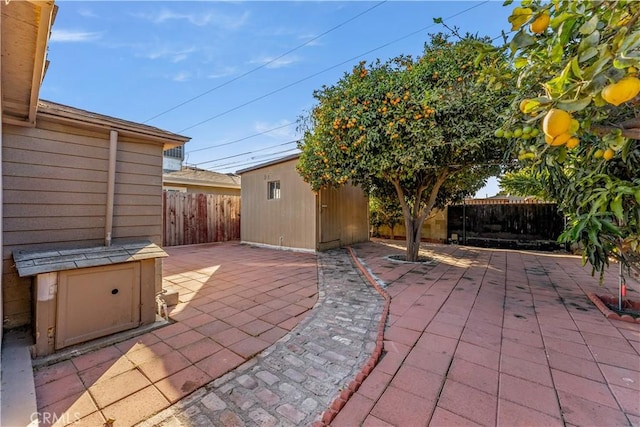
[
  {"x": 87, "y": 13},
  {"x": 229, "y": 22},
  {"x": 282, "y": 129},
  {"x": 182, "y": 76},
  {"x": 173, "y": 55},
  {"x": 273, "y": 63},
  {"x": 73, "y": 36},
  {"x": 222, "y": 72}
]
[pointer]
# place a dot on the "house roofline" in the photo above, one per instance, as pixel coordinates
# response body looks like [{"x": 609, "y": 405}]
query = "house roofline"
[
  {"x": 59, "y": 112},
  {"x": 199, "y": 182},
  {"x": 270, "y": 163}
]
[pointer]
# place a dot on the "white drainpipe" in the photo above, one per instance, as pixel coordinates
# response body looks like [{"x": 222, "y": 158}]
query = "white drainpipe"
[{"x": 111, "y": 186}]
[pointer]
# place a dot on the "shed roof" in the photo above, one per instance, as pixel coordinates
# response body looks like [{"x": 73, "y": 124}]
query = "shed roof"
[
  {"x": 270, "y": 163},
  {"x": 53, "y": 110},
  {"x": 32, "y": 262},
  {"x": 195, "y": 176}
]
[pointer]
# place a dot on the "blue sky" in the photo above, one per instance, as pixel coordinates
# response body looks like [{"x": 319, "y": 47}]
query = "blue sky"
[{"x": 234, "y": 76}]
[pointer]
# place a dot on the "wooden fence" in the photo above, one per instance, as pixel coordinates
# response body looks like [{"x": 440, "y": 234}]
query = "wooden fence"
[
  {"x": 190, "y": 218},
  {"x": 506, "y": 225}
]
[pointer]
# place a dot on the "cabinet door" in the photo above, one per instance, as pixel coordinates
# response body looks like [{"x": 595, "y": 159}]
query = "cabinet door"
[{"x": 98, "y": 301}]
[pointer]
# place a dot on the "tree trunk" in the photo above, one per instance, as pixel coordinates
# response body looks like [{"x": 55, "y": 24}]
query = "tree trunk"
[{"x": 413, "y": 228}]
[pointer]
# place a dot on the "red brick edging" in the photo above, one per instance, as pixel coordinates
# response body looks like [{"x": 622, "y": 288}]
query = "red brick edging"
[
  {"x": 601, "y": 302},
  {"x": 338, "y": 403}
]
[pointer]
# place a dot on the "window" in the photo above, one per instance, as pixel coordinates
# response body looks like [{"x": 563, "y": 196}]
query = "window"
[{"x": 273, "y": 190}]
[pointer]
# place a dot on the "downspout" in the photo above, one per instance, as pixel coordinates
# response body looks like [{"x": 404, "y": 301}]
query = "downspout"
[{"x": 111, "y": 186}]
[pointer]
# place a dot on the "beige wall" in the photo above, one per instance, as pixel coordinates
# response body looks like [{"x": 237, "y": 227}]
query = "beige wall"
[
  {"x": 434, "y": 228},
  {"x": 205, "y": 189},
  {"x": 55, "y": 184},
  {"x": 300, "y": 219},
  {"x": 343, "y": 218},
  {"x": 288, "y": 221}
]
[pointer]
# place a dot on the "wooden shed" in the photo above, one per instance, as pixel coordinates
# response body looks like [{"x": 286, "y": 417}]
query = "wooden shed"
[{"x": 280, "y": 210}]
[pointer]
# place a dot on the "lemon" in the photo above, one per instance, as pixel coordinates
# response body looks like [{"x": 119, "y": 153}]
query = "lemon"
[
  {"x": 523, "y": 105},
  {"x": 598, "y": 153},
  {"x": 556, "y": 122},
  {"x": 540, "y": 24},
  {"x": 624, "y": 90}
]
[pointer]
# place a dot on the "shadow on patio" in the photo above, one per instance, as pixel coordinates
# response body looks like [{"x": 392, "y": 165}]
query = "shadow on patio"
[{"x": 235, "y": 301}]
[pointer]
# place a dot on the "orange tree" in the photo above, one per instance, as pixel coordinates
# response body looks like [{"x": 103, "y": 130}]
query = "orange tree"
[
  {"x": 574, "y": 126},
  {"x": 422, "y": 128}
]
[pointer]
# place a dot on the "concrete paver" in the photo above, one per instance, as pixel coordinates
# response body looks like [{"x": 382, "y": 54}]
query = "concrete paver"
[
  {"x": 225, "y": 316},
  {"x": 296, "y": 379},
  {"x": 480, "y": 337}
]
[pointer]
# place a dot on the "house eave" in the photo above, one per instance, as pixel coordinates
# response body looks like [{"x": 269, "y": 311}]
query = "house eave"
[
  {"x": 270, "y": 163},
  {"x": 93, "y": 120}
]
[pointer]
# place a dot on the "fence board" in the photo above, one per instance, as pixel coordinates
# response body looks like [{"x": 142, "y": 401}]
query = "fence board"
[{"x": 192, "y": 218}]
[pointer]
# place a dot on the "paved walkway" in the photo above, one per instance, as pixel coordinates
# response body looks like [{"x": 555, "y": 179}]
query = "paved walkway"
[
  {"x": 235, "y": 301},
  {"x": 481, "y": 337},
  {"x": 490, "y": 337},
  {"x": 294, "y": 381}
]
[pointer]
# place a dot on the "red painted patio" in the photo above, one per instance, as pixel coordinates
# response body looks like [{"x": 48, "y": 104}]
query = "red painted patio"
[{"x": 493, "y": 337}]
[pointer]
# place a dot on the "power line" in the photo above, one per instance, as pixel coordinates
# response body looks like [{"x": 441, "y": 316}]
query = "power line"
[
  {"x": 247, "y": 153},
  {"x": 242, "y": 139},
  {"x": 325, "y": 70},
  {"x": 254, "y": 159},
  {"x": 253, "y": 70}
]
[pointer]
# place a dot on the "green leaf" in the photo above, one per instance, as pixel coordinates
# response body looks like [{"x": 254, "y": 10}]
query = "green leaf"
[
  {"x": 576, "y": 105},
  {"x": 616, "y": 207},
  {"x": 520, "y": 40},
  {"x": 507, "y": 2},
  {"x": 520, "y": 62},
  {"x": 588, "y": 53},
  {"x": 589, "y": 26},
  {"x": 437, "y": 20},
  {"x": 575, "y": 68},
  {"x": 519, "y": 17}
]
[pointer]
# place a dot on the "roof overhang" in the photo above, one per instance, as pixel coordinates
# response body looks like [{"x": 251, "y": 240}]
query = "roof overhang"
[
  {"x": 48, "y": 110},
  {"x": 270, "y": 163},
  {"x": 25, "y": 27}
]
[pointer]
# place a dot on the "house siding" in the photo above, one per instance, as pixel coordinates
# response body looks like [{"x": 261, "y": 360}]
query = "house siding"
[
  {"x": 289, "y": 221},
  {"x": 55, "y": 185}
]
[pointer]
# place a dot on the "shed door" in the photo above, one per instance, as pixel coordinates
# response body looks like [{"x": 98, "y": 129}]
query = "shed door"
[
  {"x": 329, "y": 219},
  {"x": 98, "y": 301}
]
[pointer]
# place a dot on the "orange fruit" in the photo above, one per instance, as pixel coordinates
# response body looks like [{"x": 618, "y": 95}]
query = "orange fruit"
[
  {"x": 572, "y": 143},
  {"x": 608, "y": 154},
  {"x": 540, "y": 24},
  {"x": 624, "y": 90},
  {"x": 559, "y": 140},
  {"x": 556, "y": 122}
]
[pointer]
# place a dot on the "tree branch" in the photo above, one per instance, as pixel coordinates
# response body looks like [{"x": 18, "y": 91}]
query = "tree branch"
[
  {"x": 442, "y": 177},
  {"x": 628, "y": 132}
]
